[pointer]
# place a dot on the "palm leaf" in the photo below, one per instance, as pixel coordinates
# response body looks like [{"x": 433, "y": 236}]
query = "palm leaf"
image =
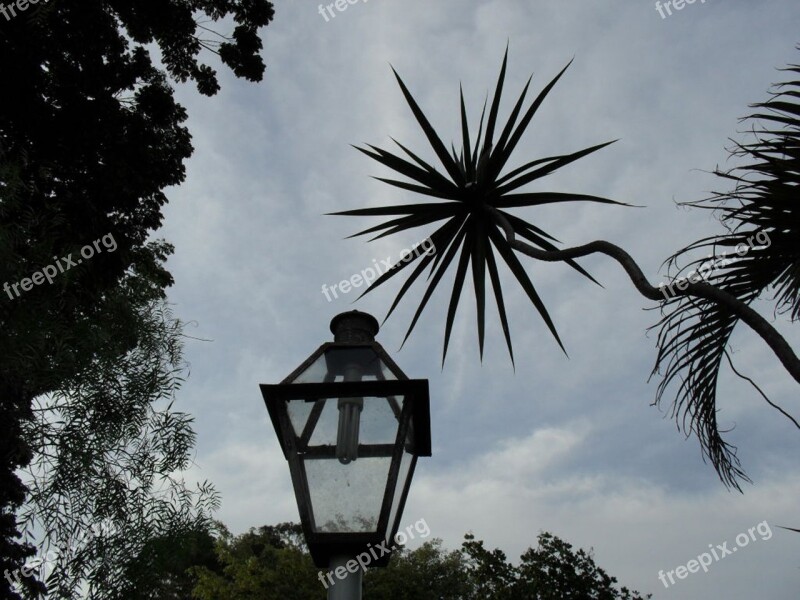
[{"x": 763, "y": 205}]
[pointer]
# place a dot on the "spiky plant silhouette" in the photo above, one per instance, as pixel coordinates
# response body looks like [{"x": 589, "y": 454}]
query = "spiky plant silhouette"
[
  {"x": 475, "y": 195},
  {"x": 699, "y": 317}
]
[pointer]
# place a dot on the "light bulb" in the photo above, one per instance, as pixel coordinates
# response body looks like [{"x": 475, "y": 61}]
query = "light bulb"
[{"x": 349, "y": 422}]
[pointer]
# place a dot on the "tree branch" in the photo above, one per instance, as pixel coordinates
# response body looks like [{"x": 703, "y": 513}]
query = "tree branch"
[
  {"x": 761, "y": 392},
  {"x": 757, "y": 323}
]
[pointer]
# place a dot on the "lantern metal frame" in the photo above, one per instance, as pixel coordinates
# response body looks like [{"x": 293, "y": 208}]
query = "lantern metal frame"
[{"x": 415, "y": 414}]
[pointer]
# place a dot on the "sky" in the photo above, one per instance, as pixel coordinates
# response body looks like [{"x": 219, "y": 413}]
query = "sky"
[{"x": 566, "y": 444}]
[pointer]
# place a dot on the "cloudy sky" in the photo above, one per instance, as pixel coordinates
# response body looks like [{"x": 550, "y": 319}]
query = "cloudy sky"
[{"x": 569, "y": 445}]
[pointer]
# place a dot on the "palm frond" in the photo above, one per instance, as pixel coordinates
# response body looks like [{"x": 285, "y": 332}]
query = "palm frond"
[{"x": 760, "y": 252}]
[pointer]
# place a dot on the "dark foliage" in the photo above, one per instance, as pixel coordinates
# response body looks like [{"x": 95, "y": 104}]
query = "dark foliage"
[
  {"x": 762, "y": 217},
  {"x": 273, "y": 563},
  {"x": 90, "y": 136},
  {"x": 162, "y": 569}
]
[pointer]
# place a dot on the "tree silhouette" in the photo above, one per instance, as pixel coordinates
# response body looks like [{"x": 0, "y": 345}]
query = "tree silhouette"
[
  {"x": 91, "y": 136},
  {"x": 272, "y": 562}
]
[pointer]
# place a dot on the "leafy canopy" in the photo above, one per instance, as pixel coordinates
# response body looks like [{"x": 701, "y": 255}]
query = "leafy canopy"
[{"x": 273, "y": 563}]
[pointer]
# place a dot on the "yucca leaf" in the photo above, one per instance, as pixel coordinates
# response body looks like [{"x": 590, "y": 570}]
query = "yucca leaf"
[
  {"x": 412, "y": 221},
  {"x": 542, "y": 171},
  {"x": 397, "y": 209},
  {"x": 458, "y": 285},
  {"x": 445, "y": 183},
  {"x": 425, "y": 191},
  {"x": 527, "y": 166},
  {"x": 408, "y": 283},
  {"x": 443, "y": 232},
  {"x": 539, "y": 198},
  {"x": 430, "y": 133},
  {"x": 437, "y": 277},
  {"x": 426, "y": 260},
  {"x": 504, "y": 153},
  {"x": 521, "y": 227},
  {"x": 498, "y": 295},
  {"x": 459, "y": 161},
  {"x": 478, "y": 248},
  {"x": 460, "y": 222},
  {"x": 441, "y": 239},
  {"x": 488, "y": 140},
  {"x": 466, "y": 144},
  {"x": 432, "y": 215},
  {"x": 522, "y": 277},
  {"x": 475, "y": 154},
  {"x": 379, "y": 227},
  {"x": 512, "y": 120},
  {"x": 789, "y": 528},
  {"x": 431, "y": 180}
]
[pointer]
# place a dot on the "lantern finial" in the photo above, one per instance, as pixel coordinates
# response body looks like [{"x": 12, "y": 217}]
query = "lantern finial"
[{"x": 354, "y": 327}]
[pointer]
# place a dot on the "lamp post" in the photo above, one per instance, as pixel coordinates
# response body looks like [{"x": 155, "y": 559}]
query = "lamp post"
[{"x": 351, "y": 425}]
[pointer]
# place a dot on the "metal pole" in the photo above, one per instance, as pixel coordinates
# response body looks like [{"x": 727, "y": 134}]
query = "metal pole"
[
  {"x": 349, "y": 586},
  {"x": 353, "y": 326}
]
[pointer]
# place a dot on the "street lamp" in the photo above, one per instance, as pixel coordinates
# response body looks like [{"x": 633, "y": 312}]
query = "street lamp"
[{"x": 351, "y": 424}]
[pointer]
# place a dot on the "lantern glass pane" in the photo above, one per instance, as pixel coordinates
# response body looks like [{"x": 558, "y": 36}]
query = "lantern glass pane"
[
  {"x": 299, "y": 411},
  {"x": 316, "y": 372},
  {"x": 347, "y": 498},
  {"x": 327, "y": 420},
  {"x": 379, "y": 424},
  {"x": 406, "y": 461}
]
